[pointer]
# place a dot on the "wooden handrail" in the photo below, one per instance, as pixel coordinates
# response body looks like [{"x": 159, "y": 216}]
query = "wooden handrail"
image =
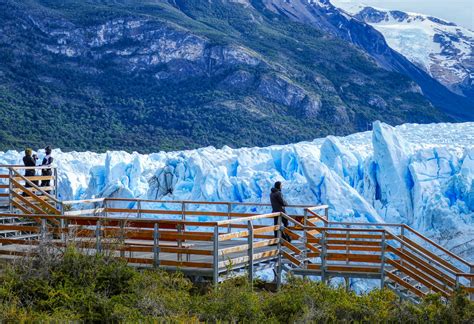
[
  {"x": 33, "y": 185},
  {"x": 438, "y": 246},
  {"x": 22, "y": 167}
]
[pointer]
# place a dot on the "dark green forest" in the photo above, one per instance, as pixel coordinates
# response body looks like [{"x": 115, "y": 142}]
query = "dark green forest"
[{"x": 94, "y": 99}]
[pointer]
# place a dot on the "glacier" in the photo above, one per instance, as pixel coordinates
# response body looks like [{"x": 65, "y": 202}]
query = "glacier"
[{"x": 419, "y": 175}]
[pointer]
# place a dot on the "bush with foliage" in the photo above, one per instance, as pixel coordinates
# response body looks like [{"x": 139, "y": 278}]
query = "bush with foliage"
[{"x": 71, "y": 285}]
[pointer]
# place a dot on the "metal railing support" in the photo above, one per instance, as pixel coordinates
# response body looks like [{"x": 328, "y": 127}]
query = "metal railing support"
[
  {"x": 122, "y": 239},
  {"x": 98, "y": 245},
  {"x": 382, "y": 261},
  {"x": 44, "y": 229},
  {"x": 139, "y": 209},
  {"x": 61, "y": 228},
  {"x": 156, "y": 245},
  {"x": 229, "y": 210},
  {"x": 279, "y": 260},
  {"x": 10, "y": 190},
  {"x": 402, "y": 244},
  {"x": 323, "y": 256},
  {"x": 250, "y": 252},
  {"x": 305, "y": 239},
  {"x": 55, "y": 173},
  {"x": 215, "y": 252},
  {"x": 471, "y": 283}
]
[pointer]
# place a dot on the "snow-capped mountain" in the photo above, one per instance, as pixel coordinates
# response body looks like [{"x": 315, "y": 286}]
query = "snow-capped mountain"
[
  {"x": 443, "y": 49},
  {"x": 421, "y": 175}
]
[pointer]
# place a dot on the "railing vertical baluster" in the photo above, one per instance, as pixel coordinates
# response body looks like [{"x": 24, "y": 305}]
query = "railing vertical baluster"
[
  {"x": 382, "y": 261},
  {"x": 471, "y": 283},
  {"x": 139, "y": 208},
  {"x": 279, "y": 261},
  {"x": 250, "y": 251},
  {"x": 122, "y": 239},
  {"x": 229, "y": 210},
  {"x": 10, "y": 189},
  {"x": 66, "y": 234},
  {"x": 98, "y": 246},
  {"x": 55, "y": 173},
  {"x": 348, "y": 236},
  {"x": 61, "y": 228},
  {"x": 305, "y": 238},
  {"x": 402, "y": 244},
  {"x": 323, "y": 255},
  {"x": 43, "y": 229},
  {"x": 215, "y": 264},
  {"x": 179, "y": 227},
  {"x": 106, "y": 212},
  {"x": 156, "y": 245},
  {"x": 326, "y": 215}
]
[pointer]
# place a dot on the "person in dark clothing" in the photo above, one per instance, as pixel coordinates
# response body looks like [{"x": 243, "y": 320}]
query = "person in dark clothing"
[
  {"x": 29, "y": 160},
  {"x": 47, "y": 161},
  {"x": 278, "y": 206}
]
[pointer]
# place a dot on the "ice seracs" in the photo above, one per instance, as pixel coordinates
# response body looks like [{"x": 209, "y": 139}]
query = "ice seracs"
[{"x": 420, "y": 175}]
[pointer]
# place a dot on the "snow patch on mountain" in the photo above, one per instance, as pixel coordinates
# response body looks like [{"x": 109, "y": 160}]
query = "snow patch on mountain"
[
  {"x": 420, "y": 175},
  {"x": 443, "y": 49}
]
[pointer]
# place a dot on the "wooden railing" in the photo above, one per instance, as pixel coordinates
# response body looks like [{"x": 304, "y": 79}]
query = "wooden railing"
[{"x": 232, "y": 240}]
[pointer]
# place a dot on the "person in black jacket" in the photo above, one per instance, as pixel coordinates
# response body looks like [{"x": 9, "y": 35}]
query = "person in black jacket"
[
  {"x": 29, "y": 160},
  {"x": 47, "y": 161},
  {"x": 278, "y": 206}
]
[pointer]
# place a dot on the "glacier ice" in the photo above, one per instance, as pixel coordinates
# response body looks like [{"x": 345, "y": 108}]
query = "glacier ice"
[{"x": 420, "y": 175}]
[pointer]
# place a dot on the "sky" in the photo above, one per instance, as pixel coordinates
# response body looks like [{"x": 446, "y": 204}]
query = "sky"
[{"x": 460, "y": 12}]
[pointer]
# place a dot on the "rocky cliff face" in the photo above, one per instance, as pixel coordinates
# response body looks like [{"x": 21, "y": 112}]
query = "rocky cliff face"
[{"x": 182, "y": 74}]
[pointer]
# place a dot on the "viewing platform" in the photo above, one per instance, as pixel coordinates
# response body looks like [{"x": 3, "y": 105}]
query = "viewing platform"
[{"x": 214, "y": 241}]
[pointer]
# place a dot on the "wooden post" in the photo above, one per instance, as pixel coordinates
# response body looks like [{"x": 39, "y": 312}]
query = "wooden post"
[
  {"x": 279, "y": 261},
  {"x": 98, "y": 246},
  {"x": 250, "y": 252},
  {"x": 55, "y": 173},
  {"x": 382, "y": 262},
  {"x": 326, "y": 214},
  {"x": 156, "y": 245},
  {"x": 215, "y": 252}
]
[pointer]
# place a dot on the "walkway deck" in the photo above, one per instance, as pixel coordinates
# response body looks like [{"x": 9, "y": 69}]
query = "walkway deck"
[{"x": 172, "y": 235}]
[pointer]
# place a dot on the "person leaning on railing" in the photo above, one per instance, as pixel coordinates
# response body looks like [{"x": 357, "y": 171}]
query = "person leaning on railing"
[
  {"x": 29, "y": 160},
  {"x": 47, "y": 161}
]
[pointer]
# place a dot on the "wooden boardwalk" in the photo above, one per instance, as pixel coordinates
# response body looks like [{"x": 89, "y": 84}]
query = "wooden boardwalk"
[{"x": 173, "y": 235}]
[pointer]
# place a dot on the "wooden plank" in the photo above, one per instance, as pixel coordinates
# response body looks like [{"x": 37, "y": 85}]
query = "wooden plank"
[
  {"x": 266, "y": 229},
  {"x": 230, "y": 236},
  {"x": 352, "y": 242},
  {"x": 313, "y": 266},
  {"x": 185, "y": 264},
  {"x": 20, "y": 207},
  {"x": 4, "y": 186},
  {"x": 291, "y": 234},
  {"x": 428, "y": 281},
  {"x": 35, "y": 178},
  {"x": 26, "y": 202},
  {"x": 353, "y": 257},
  {"x": 290, "y": 246},
  {"x": 352, "y": 269},
  {"x": 245, "y": 247},
  {"x": 354, "y": 248},
  {"x": 431, "y": 255},
  {"x": 4, "y": 195},
  {"x": 407, "y": 256},
  {"x": 23, "y": 228},
  {"x": 44, "y": 204},
  {"x": 405, "y": 284},
  {"x": 292, "y": 259},
  {"x": 414, "y": 276},
  {"x": 354, "y": 236}
]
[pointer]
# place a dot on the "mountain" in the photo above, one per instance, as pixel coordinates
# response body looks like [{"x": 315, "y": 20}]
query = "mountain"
[
  {"x": 420, "y": 175},
  {"x": 442, "y": 49},
  {"x": 149, "y": 75}
]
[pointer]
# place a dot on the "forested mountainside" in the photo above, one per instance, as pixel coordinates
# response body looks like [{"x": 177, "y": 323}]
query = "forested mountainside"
[{"x": 160, "y": 75}]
